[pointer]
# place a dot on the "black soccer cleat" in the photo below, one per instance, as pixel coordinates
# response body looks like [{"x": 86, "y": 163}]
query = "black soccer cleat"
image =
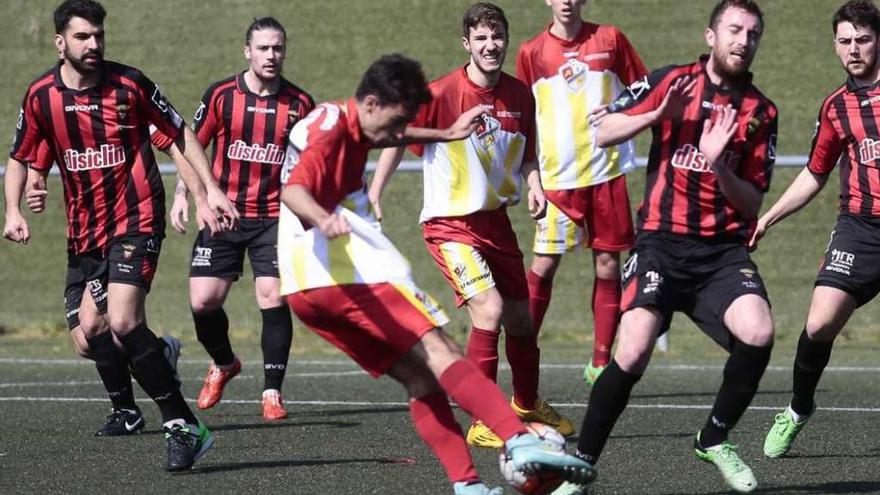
[
  {"x": 185, "y": 444},
  {"x": 122, "y": 422}
]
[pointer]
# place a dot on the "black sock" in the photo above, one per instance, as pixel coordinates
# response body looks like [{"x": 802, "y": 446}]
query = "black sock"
[
  {"x": 276, "y": 340},
  {"x": 810, "y": 361},
  {"x": 608, "y": 399},
  {"x": 742, "y": 374},
  {"x": 112, "y": 367},
  {"x": 212, "y": 330},
  {"x": 146, "y": 353}
]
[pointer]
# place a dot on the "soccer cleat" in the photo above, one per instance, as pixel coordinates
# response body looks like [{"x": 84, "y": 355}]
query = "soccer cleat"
[
  {"x": 172, "y": 354},
  {"x": 122, "y": 422},
  {"x": 217, "y": 378},
  {"x": 569, "y": 488},
  {"x": 782, "y": 434},
  {"x": 477, "y": 488},
  {"x": 186, "y": 443},
  {"x": 273, "y": 407},
  {"x": 531, "y": 455},
  {"x": 591, "y": 373},
  {"x": 735, "y": 472},
  {"x": 544, "y": 413},
  {"x": 479, "y": 435}
]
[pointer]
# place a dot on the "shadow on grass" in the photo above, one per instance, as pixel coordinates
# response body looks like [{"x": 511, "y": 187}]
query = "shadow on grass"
[
  {"x": 215, "y": 427},
  {"x": 573, "y": 440},
  {"x": 711, "y": 393},
  {"x": 352, "y": 411},
  {"x": 240, "y": 466},
  {"x": 830, "y": 487}
]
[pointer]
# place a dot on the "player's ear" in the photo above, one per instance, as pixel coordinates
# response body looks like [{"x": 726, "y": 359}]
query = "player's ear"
[
  {"x": 247, "y": 52},
  {"x": 709, "y": 34},
  {"x": 60, "y": 44},
  {"x": 466, "y": 44}
]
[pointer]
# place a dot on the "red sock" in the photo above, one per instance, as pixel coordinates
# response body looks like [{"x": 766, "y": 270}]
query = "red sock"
[
  {"x": 480, "y": 398},
  {"x": 482, "y": 350},
  {"x": 606, "y": 313},
  {"x": 524, "y": 357},
  {"x": 437, "y": 426},
  {"x": 540, "y": 290}
]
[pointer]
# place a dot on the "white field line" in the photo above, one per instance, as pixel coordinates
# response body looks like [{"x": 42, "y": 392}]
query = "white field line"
[
  {"x": 568, "y": 405},
  {"x": 72, "y": 383},
  {"x": 350, "y": 364}
]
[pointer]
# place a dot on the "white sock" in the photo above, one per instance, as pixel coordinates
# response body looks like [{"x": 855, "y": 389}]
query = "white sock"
[{"x": 798, "y": 418}]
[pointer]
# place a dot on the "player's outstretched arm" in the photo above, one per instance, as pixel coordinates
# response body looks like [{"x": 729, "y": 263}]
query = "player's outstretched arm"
[
  {"x": 717, "y": 132},
  {"x": 617, "y": 127},
  {"x": 388, "y": 162},
  {"x": 799, "y": 193},
  {"x": 16, "y": 227},
  {"x": 301, "y": 202},
  {"x": 36, "y": 190},
  {"x": 464, "y": 126},
  {"x": 218, "y": 205},
  {"x": 537, "y": 202}
]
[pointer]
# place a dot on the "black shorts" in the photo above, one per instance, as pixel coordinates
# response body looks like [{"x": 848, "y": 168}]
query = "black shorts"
[
  {"x": 852, "y": 259},
  {"x": 222, "y": 256},
  {"x": 699, "y": 277},
  {"x": 130, "y": 259}
]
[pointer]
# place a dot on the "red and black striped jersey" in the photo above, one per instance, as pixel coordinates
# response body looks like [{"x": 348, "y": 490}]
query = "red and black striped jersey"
[
  {"x": 250, "y": 139},
  {"x": 682, "y": 195},
  {"x": 848, "y": 122},
  {"x": 101, "y": 136}
]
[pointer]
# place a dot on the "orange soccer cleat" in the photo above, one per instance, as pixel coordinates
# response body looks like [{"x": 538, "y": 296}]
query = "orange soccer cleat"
[
  {"x": 273, "y": 407},
  {"x": 217, "y": 378}
]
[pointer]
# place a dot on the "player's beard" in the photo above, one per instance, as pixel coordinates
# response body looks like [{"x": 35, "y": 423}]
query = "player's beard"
[
  {"x": 730, "y": 71},
  {"x": 82, "y": 67},
  {"x": 866, "y": 70}
]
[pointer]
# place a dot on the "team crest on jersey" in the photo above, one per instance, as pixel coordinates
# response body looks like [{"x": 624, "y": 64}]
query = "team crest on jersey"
[
  {"x": 127, "y": 251},
  {"x": 459, "y": 270},
  {"x": 122, "y": 112},
  {"x": 574, "y": 73},
  {"x": 487, "y": 131}
]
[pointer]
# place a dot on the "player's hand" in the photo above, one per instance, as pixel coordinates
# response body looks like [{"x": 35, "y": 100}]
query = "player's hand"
[
  {"x": 179, "y": 213},
  {"x": 16, "y": 228},
  {"x": 677, "y": 98},
  {"x": 537, "y": 203},
  {"x": 465, "y": 124},
  {"x": 758, "y": 234},
  {"x": 205, "y": 217},
  {"x": 716, "y": 135},
  {"x": 334, "y": 225},
  {"x": 597, "y": 115},
  {"x": 35, "y": 195},
  {"x": 376, "y": 202},
  {"x": 223, "y": 209}
]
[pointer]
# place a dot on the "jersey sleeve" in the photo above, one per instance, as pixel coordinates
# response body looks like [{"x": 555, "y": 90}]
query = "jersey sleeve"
[
  {"x": 426, "y": 117},
  {"x": 523, "y": 66},
  {"x": 627, "y": 63},
  {"x": 205, "y": 120},
  {"x": 645, "y": 94},
  {"x": 827, "y": 145},
  {"x": 159, "y": 139},
  {"x": 759, "y": 163},
  {"x": 314, "y": 144},
  {"x": 28, "y": 134},
  {"x": 528, "y": 128},
  {"x": 45, "y": 157},
  {"x": 159, "y": 110}
]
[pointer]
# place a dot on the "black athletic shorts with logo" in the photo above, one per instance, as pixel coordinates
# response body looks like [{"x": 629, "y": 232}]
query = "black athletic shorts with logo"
[
  {"x": 852, "y": 259},
  {"x": 222, "y": 256},
  {"x": 130, "y": 259},
  {"x": 697, "y": 276}
]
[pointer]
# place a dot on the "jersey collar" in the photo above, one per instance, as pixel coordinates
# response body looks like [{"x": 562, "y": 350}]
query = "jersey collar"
[
  {"x": 352, "y": 120},
  {"x": 743, "y": 85},
  {"x": 103, "y": 79}
]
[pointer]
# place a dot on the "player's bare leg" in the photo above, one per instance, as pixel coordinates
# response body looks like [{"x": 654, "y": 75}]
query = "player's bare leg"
[
  {"x": 277, "y": 337},
  {"x": 830, "y": 309},
  {"x": 207, "y": 295}
]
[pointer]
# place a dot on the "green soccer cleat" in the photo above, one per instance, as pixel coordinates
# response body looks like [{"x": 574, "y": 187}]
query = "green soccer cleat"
[
  {"x": 478, "y": 488},
  {"x": 782, "y": 434},
  {"x": 736, "y": 473},
  {"x": 569, "y": 488},
  {"x": 591, "y": 373},
  {"x": 186, "y": 443}
]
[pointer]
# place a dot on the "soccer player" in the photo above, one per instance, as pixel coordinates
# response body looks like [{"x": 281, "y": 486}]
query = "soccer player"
[
  {"x": 846, "y": 132},
  {"x": 248, "y": 117},
  {"x": 575, "y": 67},
  {"x": 468, "y": 185},
  {"x": 348, "y": 283},
  {"x": 710, "y": 165},
  {"x": 95, "y": 115},
  {"x": 125, "y": 416}
]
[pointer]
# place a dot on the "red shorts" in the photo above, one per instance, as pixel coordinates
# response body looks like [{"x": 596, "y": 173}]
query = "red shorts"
[
  {"x": 375, "y": 324},
  {"x": 602, "y": 210},
  {"x": 476, "y": 252}
]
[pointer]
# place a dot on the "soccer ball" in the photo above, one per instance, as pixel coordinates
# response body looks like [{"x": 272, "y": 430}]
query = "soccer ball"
[{"x": 534, "y": 484}]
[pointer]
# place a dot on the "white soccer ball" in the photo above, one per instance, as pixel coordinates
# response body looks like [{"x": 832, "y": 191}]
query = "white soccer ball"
[{"x": 534, "y": 484}]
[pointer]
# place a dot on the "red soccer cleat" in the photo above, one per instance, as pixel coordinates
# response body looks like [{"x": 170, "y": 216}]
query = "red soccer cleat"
[
  {"x": 217, "y": 378},
  {"x": 273, "y": 407}
]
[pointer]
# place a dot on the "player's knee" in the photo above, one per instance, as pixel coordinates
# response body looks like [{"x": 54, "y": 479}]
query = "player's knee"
[
  {"x": 821, "y": 329},
  {"x": 760, "y": 333},
  {"x": 545, "y": 266},
  {"x": 633, "y": 358},
  {"x": 487, "y": 309},
  {"x": 206, "y": 304},
  {"x": 608, "y": 265}
]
